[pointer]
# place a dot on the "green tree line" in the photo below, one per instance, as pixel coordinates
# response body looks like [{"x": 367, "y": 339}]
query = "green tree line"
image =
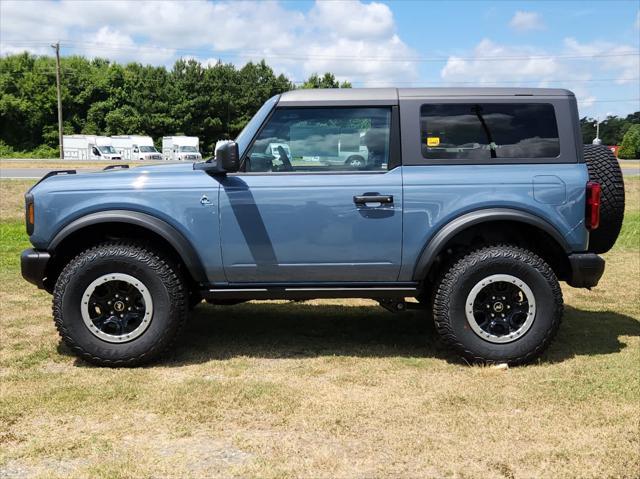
[{"x": 105, "y": 98}]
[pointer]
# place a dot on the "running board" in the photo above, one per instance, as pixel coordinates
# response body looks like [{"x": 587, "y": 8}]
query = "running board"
[{"x": 307, "y": 292}]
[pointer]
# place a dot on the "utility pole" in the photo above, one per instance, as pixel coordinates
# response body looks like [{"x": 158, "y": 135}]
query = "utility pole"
[
  {"x": 597, "y": 140},
  {"x": 56, "y": 47}
]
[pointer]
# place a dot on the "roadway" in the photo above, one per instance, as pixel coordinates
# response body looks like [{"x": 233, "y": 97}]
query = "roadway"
[{"x": 33, "y": 173}]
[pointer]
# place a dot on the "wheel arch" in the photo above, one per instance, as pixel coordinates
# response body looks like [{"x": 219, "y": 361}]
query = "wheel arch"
[
  {"x": 556, "y": 247},
  {"x": 95, "y": 227}
]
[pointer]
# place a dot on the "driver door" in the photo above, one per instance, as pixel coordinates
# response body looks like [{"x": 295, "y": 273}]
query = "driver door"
[{"x": 300, "y": 213}]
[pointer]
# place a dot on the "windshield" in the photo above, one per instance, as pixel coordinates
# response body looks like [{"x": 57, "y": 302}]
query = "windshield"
[
  {"x": 191, "y": 149},
  {"x": 107, "y": 149},
  {"x": 148, "y": 149},
  {"x": 251, "y": 128}
]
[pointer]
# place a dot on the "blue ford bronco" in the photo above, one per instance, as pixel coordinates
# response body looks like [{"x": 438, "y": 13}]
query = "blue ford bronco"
[{"x": 475, "y": 202}]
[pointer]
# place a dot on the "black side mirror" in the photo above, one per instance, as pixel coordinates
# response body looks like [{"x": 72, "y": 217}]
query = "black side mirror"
[
  {"x": 226, "y": 155},
  {"x": 226, "y": 159}
]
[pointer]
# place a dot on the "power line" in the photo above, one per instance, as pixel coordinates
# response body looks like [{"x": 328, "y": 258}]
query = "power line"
[
  {"x": 417, "y": 83},
  {"x": 414, "y": 84},
  {"x": 400, "y": 59},
  {"x": 79, "y": 45}
]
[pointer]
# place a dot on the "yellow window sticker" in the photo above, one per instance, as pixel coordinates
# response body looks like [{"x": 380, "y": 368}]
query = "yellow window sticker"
[{"x": 433, "y": 141}]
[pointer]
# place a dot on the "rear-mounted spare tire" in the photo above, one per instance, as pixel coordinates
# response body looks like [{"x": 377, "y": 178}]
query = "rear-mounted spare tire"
[{"x": 604, "y": 168}]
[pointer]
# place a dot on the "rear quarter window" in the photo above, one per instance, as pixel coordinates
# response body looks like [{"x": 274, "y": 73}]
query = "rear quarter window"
[{"x": 481, "y": 132}]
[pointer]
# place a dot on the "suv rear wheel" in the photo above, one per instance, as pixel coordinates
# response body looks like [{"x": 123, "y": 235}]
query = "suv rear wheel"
[
  {"x": 119, "y": 304},
  {"x": 499, "y": 304}
]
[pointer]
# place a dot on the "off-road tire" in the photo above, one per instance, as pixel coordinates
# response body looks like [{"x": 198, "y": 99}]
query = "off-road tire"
[
  {"x": 604, "y": 168},
  {"x": 456, "y": 283},
  {"x": 164, "y": 284}
]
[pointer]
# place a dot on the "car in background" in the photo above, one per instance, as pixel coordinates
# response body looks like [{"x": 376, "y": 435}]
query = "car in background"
[
  {"x": 182, "y": 148},
  {"x": 136, "y": 147},
  {"x": 89, "y": 147}
]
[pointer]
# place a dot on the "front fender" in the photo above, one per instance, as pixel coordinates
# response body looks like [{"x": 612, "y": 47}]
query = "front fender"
[{"x": 178, "y": 242}]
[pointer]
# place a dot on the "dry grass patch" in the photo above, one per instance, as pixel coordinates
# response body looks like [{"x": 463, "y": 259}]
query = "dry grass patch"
[
  {"x": 322, "y": 389},
  {"x": 12, "y": 198}
]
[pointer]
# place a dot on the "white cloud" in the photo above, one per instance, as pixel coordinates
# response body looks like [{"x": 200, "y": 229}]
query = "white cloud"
[
  {"x": 610, "y": 57},
  {"x": 594, "y": 71},
  {"x": 354, "y": 20},
  {"x": 525, "y": 21},
  {"x": 159, "y": 32},
  {"x": 493, "y": 62},
  {"x": 489, "y": 63},
  {"x": 357, "y": 41},
  {"x": 107, "y": 39}
]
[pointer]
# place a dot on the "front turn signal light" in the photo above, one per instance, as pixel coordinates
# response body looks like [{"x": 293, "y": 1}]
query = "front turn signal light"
[{"x": 30, "y": 213}]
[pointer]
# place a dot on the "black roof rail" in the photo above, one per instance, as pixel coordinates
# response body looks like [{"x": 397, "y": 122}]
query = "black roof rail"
[
  {"x": 115, "y": 167},
  {"x": 53, "y": 173}
]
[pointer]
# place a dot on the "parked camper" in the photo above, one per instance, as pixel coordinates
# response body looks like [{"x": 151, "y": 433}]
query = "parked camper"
[
  {"x": 181, "y": 148},
  {"x": 89, "y": 147},
  {"x": 136, "y": 147}
]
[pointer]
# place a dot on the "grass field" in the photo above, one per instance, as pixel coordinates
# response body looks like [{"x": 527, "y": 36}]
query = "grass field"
[{"x": 322, "y": 389}]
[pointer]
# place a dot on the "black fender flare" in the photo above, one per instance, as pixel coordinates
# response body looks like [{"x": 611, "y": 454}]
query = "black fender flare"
[
  {"x": 171, "y": 235},
  {"x": 436, "y": 244}
]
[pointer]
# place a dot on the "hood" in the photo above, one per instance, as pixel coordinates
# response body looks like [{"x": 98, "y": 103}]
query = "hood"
[{"x": 114, "y": 178}]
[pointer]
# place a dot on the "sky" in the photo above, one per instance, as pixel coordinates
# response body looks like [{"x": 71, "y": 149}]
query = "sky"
[{"x": 591, "y": 48}]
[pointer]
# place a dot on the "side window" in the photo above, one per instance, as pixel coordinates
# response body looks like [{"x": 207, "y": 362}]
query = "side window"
[
  {"x": 486, "y": 131},
  {"x": 322, "y": 139}
]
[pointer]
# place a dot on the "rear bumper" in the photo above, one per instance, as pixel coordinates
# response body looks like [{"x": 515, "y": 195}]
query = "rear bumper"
[
  {"x": 586, "y": 270},
  {"x": 33, "y": 264}
]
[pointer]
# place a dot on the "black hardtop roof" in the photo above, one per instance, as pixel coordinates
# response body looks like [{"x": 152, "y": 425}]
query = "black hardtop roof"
[{"x": 393, "y": 94}]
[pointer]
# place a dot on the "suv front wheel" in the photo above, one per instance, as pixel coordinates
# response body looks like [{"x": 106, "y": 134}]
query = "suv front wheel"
[
  {"x": 499, "y": 304},
  {"x": 119, "y": 304}
]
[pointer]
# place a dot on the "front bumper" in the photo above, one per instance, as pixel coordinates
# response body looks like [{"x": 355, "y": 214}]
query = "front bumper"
[
  {"x": 33, "y": 264},
  {"x": 586, "y": 270}
]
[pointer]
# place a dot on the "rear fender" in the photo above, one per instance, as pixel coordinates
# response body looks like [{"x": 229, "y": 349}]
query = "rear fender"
[{"x": 439, "y": 241}]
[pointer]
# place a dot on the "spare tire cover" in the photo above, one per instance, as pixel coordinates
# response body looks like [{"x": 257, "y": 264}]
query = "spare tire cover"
[{"x": 604, "y": 168}]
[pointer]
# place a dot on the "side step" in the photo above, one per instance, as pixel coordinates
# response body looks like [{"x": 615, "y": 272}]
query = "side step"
[{"x": 310, "y": 292}]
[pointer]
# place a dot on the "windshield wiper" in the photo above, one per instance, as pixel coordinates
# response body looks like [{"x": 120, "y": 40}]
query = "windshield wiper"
[{"x": 477, "y": 109}]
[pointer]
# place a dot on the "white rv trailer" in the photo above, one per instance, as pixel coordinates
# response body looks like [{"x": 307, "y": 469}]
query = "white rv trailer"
[
  {"x": 136, "y": 147},
  {"x": 89, "y": 147},
  {"x": 184, "y": 148}
]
